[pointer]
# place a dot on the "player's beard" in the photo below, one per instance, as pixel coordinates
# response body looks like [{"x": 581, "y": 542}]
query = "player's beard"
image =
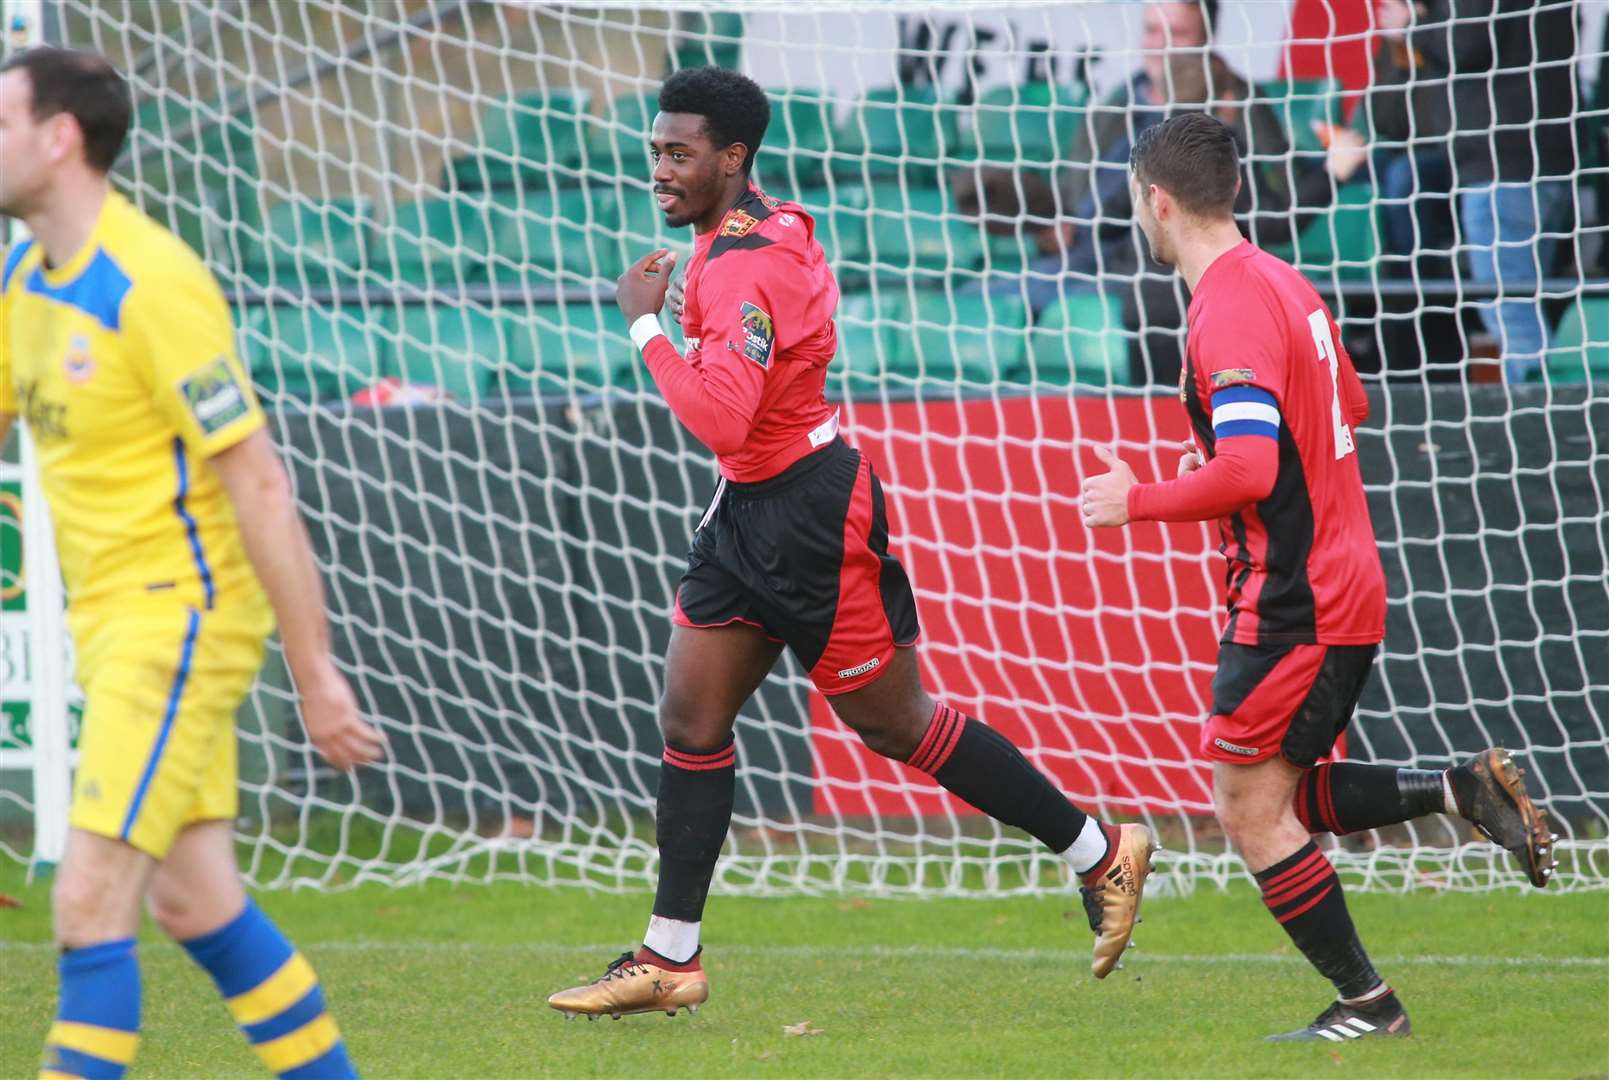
[
  {"x": 1160, "y": 251},
  {"x": 695, "y": 198}
]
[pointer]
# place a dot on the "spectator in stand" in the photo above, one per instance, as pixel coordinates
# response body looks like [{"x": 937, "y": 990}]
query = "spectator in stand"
[
  {"x": 1083, "y": 229},
  {"x": 1509, "y": 67},
  {"x": 1405, "y": 113}
]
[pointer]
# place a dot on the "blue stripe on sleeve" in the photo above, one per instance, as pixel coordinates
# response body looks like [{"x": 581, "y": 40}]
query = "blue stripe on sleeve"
[
  {"x": 1231, "y": 395},
  {"x": 1247, "y": 427}
]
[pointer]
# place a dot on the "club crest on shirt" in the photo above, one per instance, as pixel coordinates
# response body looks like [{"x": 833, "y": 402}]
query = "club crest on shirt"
[
  {"x": 1233, "y": 377},
  {"x": 79, "y": 364},
  {"x": 214, "y": 398},
  {"x": 738, "y": 223},
  {"x": 758, "y": 333}
]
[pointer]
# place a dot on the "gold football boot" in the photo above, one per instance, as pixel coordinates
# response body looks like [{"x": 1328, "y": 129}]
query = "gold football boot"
[
  {"x": 634, "y": 985},
  {"x": 1112, "y": 897}
]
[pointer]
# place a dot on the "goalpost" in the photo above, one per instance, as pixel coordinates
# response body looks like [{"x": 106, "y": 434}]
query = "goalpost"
[{"x": 422, "y": 205}]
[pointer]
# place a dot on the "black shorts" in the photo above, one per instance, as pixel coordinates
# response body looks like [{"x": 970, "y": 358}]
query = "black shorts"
[
  {"x": 804, "y": 557},
  {"x": 1293, "y": 700}
]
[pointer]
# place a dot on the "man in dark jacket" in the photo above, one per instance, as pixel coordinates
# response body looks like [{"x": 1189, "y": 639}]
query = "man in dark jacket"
[{"x": 1509, "y": 67}]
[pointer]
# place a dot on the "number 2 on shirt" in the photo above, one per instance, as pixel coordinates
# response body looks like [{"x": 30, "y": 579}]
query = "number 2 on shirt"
[{"x": 1319, "y": 323}]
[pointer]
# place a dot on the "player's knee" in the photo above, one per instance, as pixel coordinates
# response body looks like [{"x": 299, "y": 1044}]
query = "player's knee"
[
  {"x": 894, "y": 733},
  {"x": 87, "y": 908},
  {"x": 685, "y": 726},
  {"x": 1239, "y": 815},
  {"x": 174, "y": 912}
]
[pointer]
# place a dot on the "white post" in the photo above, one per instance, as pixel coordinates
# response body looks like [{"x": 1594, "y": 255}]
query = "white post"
[{"x": 45, "y": 657}]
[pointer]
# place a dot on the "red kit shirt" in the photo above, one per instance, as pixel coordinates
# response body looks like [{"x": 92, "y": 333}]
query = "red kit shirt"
[
  {"x": 757, "y": 319},
  {"x": 1303, "y": 563}
]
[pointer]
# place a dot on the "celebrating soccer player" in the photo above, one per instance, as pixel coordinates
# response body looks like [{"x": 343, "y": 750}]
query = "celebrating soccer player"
[
  {"x": 793, "y": 552},
  {"x": 173, "y": 517},
  {"x": 1273, "y": 400}
]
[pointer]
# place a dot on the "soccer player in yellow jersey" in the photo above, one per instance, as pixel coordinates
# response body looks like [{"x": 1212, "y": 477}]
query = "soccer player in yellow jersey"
[{"x": 174, "y": 518}]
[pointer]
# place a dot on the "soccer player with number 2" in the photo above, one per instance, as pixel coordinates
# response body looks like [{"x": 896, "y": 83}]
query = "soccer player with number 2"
[
  {"x": 1273, "y": 400},
  {"x": 793, "y": 552}
]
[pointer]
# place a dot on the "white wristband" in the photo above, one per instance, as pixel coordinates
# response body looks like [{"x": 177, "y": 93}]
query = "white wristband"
[{"x": 644, "y": 330}]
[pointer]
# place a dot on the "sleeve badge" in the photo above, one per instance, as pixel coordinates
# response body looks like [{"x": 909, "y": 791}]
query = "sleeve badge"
[
  {"x": 1233, "y": 377},
  {"x": 758, "y": 334},
  {"x": 213, "y": 397}
]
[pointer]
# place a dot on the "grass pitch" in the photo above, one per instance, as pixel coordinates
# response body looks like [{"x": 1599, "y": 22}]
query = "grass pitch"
[{"x": 439, "y": 981}]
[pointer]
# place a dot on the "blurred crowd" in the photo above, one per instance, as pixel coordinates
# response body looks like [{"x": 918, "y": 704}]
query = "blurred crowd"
[{"x": 1465, "y": 134}]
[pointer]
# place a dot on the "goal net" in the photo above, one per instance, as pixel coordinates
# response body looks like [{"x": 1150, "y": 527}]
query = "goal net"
[{"x": 417, "y": 209}]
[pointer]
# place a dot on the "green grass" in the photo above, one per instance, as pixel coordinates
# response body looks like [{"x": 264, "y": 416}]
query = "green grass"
[{"x": 439, "y": 981}]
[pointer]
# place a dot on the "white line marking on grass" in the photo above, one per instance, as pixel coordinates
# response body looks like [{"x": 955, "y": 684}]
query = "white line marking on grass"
[{"x": 913, "y": 952}]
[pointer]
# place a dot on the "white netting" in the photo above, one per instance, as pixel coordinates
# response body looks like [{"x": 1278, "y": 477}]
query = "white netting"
[{"x": 441, "y": 194}]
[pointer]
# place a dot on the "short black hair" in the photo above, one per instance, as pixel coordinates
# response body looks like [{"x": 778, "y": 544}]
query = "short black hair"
[
  {"x": 1195, "y": 158},
  {"x": 86, "y": 85},
  {"x": 734, "y": 108}
]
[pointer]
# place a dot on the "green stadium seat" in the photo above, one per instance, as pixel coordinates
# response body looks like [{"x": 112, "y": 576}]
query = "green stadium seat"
[
  {"x": 434, "y": 243},
  {"x": 970, "y": 337},
  {"x": 455, "y": 347},
  {"x": 618, "y": 144},
  {"x": 314, "y": 353},
  {"x": 323, "y": 243},
  {"x": 793, "y": 156},
  {"x": 525, "y": 140},
  {"x": 1579, "y": 351},
  {"x": 1344, "y": 237},
  {"x": 1298, "y": 103},
  {"x": 555, "y": 238},
  {"x": 200, "y": 174},
  {"x": 1028, "y": 124},
  {"x": 864, "y": 346},
  {"x": 899, "y": 130},
  {"x": 917, "y": 233},
  {"x": 568, "y": 348},
  {"x": 1078, "y": 340}
]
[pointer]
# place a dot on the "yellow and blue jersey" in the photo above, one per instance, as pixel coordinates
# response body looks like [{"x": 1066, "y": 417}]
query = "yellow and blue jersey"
[{"x": 122, "y": 362}]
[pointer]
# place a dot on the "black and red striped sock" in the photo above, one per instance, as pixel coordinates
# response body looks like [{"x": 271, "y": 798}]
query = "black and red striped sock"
[
  {"x": 978, "y": 764},
  {"x": 1348, "y": 796},
  {"x": 1304, "y": 896},
  {"x": 692, "y": 816}
]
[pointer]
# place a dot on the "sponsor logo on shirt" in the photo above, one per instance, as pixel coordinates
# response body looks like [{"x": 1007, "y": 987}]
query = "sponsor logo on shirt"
[
  {"x": 1233, "y": 376},
  {"x": 79, "y": 364},
  {"x": 1243, "y": 751},
  {"x": 758, "y": 333},
  {"x": 213, "y": 397},
  {"x": 738, "y": 223},
  {"x": 47, "y": 420},
  {"x": 859, "y": 669}
]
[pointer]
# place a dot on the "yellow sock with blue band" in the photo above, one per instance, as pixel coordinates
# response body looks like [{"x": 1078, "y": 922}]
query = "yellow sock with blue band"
[
  {"x": 275, "y": 997},
  {"x": 97, "y": 1026}
]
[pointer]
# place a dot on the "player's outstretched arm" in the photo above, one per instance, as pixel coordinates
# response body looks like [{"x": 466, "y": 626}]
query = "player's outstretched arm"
[
  {"x": 1241, "y": 472},
  {"x": 277, "y": 544}
]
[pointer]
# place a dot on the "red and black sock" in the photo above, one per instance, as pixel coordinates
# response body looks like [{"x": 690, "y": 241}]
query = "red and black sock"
[
  {"x": 978, "y": 764},
  {"x": 1304, "y": 896},
  {"x": 1346, "y": 796},
  {"x": 692, "y": 816}
]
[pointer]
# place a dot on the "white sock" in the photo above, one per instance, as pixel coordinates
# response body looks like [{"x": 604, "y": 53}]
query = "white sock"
[
  {"x": 673, "y": 939},
  {"x": 1089, "y": 849},
  {"x": 1449, "y": 803}
]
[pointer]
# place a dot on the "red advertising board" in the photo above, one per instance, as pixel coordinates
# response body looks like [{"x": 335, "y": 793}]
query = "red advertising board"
[{"x": 1091, "y": 649}]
